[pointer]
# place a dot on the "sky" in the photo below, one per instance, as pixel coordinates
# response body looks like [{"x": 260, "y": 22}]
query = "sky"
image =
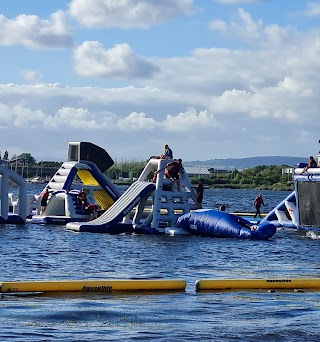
[{"x": 210, "y": 78}]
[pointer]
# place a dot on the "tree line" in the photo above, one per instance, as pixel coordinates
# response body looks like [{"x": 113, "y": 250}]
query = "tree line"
[
  {"x": 27, "y": 159},
  {"x": 260, "y": 177}
]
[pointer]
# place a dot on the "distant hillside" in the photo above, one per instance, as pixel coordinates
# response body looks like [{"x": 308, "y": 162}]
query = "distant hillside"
[{"x": 243, "y": 163}]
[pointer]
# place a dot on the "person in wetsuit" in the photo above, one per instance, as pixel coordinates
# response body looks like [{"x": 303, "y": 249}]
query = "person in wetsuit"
[{"x": 257, "y": 204}]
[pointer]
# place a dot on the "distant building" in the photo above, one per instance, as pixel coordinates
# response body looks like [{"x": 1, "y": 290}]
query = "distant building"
[
  {"x": 288, "y": 170},
  {"x": 197, "y": 171},
  {"x": 220, "y": 171}
]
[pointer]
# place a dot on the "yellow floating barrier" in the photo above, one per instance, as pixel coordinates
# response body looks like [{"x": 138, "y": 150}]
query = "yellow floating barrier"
[
  {"x": 93, "y": 285},
  {"x": 246, "y": 284}
]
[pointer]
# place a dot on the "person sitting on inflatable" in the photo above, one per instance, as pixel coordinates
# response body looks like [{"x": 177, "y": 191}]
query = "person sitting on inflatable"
[{"x": 167, "y": 153}]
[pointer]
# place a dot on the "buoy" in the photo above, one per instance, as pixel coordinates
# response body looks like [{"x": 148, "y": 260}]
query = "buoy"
[
  {"x": 236, "y": 284},
  {"x": 93, "y": 285}
]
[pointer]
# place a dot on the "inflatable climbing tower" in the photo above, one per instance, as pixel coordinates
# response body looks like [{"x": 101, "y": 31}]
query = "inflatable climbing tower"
[{"x": 169, "y": 200}]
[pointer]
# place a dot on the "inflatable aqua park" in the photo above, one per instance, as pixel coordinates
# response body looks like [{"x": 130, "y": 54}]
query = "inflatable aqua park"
[
  {"x": 215, "y": 223},
  {"x": 150, "y": 205}
]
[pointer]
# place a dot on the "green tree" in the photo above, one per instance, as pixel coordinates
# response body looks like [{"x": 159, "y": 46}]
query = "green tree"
[{"x": 27, "y": 158}]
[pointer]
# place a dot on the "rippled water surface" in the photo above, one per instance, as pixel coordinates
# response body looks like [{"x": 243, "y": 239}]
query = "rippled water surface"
[{"x": 35, "y": 252}]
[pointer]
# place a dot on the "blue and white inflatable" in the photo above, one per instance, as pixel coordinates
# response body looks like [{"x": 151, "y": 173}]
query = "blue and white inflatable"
[{"x": 216, "y": 223}]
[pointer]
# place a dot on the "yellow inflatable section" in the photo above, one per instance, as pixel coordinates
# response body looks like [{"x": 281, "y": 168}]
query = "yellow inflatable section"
[
  {"x": 93, "y": 285},
  {"x": 100, "y": 196},
  {"x": 244, "y": 284}
]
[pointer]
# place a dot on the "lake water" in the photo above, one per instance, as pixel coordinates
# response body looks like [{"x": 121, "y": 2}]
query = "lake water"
[{"x": 35, "y": 252}]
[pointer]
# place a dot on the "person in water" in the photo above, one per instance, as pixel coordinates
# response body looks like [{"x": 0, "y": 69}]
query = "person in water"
[
  {"x": 222, "y": 207},
  {"x": 247, "y": 225},
  {"x": 257, "y": 204}
]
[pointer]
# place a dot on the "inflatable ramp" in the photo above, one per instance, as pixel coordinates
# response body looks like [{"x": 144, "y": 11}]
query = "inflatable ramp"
[
  {"x": 300, "y": 210},
  {"x": 284, "y": 214},
  {"x": 107, "y": 221}
]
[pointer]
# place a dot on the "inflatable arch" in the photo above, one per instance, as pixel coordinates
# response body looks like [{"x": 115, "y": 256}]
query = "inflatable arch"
[{"x": 18, "y": 202}]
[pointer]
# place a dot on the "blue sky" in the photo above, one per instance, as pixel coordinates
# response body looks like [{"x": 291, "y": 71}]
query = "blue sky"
[{"x": 211, "y": 78}]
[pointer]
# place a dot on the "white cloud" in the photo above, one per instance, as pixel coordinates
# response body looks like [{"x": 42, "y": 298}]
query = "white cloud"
[
  {"x": 218, "y": 25},
  {"x": 33, "y": 76},
  {"x": 254, "y": 32},
  {"x": 313, "y": 8},
  {"x": 93, "y": 60},
  {"x": 212, "y": 102},
  {"x": 137, "y": 121},
  {"x": 33, "y": 32},
  {"x": 128, "y": 13},
  {"x": 280, "y": 102},
  {"x": 76, "y": 118},
  {"x": 189, "y": 120},
  {"x": 20, "y": 116},
  {"x": 55, "y": 117}
]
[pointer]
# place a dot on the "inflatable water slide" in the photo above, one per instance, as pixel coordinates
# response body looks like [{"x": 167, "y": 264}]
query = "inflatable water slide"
[
  {"x": 84, "y": 169},
  {"x": 108, "y": 221}
]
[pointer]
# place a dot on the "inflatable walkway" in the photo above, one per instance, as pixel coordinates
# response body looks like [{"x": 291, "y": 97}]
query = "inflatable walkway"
[{"x": 107, "y": 222}]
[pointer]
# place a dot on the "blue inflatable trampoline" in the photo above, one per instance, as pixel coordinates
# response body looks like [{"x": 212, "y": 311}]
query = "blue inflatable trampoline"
[{"x": 216, "y": 223}]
